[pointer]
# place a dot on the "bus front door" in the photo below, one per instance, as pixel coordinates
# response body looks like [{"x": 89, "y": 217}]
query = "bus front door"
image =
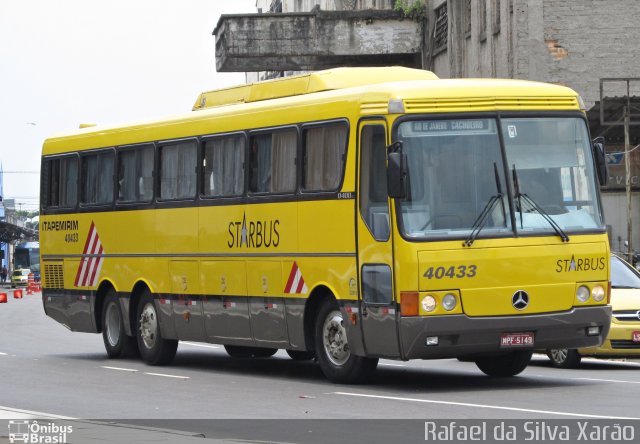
[{"x": 375, "y": 258}]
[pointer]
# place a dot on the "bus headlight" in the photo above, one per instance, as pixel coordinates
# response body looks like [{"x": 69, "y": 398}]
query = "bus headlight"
[
  {"x": 449, "y": 302},
  {"x": 583, "y": 293},
  {"x": 428, "y": 303},
  {"x": 598, "y": 293}
]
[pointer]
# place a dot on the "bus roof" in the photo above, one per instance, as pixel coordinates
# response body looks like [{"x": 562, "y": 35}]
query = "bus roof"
[
  {"x": 330, "y": 79},
  {"x": 324, "y": 90}
]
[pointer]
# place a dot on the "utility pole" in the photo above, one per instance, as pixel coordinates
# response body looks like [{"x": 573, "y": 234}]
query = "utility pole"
[{"x": 627, "y": 168}]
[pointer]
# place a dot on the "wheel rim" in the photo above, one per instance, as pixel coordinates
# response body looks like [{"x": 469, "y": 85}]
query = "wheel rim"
[
  {"x": 148, "y": 325},
  {"x": 559, "y": 355},
  {"x": 334, "y": 338},
  {"x": 112, "y": 324}
]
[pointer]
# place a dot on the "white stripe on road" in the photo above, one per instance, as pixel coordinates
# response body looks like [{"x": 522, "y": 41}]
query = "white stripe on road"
[
  {"x": 119, "y": 368},
  {"x": 605, "y": 380},
  {"x": 13, "y": 413},
  {"x": 199, "y": 345},
  {"x": 168, "y": 376},
  {"x": 482, "y": 406},
  {"x": 3, "y": 354}
]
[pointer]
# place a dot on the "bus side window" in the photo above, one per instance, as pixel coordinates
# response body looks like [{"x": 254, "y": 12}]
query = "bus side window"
[
  {"x": 135, "y": 174},
  {"x": 373, "y": 181},
  {"x": 223, "y": 159},
  {"x": 273, "y": 162},
  {"x": 63, "y": 182}
]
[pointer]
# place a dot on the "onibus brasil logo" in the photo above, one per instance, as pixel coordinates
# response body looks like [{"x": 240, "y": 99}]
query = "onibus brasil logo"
[{"x": 33, "y": 432}]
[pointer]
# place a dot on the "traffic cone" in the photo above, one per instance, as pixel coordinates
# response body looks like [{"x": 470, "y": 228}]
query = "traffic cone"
[
  {"x": 17, "y": 294},
  {"x": 29, "y": 290},
  {"x": 3, "y": 298}
]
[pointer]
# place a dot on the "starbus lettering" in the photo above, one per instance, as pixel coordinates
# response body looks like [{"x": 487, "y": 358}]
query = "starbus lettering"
[
  {"x": 253, "y": 234},
  {"x": 580, "y": 264}
]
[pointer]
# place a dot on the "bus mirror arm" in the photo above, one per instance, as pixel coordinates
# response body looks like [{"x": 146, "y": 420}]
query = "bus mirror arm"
[
  {"x": 601, "y": 160},
  {"x": 396, "y": 171}
]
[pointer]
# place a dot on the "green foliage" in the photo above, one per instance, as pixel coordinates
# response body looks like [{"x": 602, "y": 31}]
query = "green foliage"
[{"x": 413, "y": 9}]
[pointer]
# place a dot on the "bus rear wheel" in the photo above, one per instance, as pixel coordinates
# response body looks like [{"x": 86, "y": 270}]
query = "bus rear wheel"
[
  {"x": 116, "y": 341},
  {"x": 239, "y": 351},
  {"x": 506, "y": 365},
  {"x": 332, "y": 348},
  {"x": 154, "y": 349}
]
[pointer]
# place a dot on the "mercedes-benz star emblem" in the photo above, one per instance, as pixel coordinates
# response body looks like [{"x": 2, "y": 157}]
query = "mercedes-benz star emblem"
[{"x": 520, "y": 300}]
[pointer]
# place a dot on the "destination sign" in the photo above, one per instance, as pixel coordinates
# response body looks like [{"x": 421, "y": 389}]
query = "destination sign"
[{"x": 453, "y": 127}]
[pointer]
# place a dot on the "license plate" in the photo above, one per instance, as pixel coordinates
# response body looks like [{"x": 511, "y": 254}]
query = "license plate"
[
  {"x": 516, "y": 339},
  {"x": 635, "y": 337}
]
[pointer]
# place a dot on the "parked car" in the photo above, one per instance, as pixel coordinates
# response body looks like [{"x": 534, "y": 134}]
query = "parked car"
[
  {"x": 20, "y": 277},
  {"x": 623, "y": 340}
]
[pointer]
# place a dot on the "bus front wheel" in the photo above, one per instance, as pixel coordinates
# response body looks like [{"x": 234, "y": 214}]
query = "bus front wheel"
[
  {"x": 116, "y": 341},
  {"x": 506, "y": 365},
  {"x": 154, "y": 349},
  {"x": 332, "y": 348}
]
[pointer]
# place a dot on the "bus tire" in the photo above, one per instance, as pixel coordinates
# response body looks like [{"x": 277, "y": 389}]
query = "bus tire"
[
  {"x": 506, "y": 365},
  {"x": 240, "y": 351},
  {"x": 301, "y": 355},
  {"x": 116, "y": 341},
  {"x": 564, "y": 358},
  {"x": 154, "y": 349},
  {"x": 336, "y": 361}
]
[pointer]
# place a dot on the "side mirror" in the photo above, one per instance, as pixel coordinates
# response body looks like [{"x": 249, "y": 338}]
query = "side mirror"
[
  {"x": 601, "y": 160},
  {"x": 396, "y": 171}
]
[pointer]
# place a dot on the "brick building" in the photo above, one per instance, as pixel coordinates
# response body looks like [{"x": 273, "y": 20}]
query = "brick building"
[{"x": 569, "y": 42}]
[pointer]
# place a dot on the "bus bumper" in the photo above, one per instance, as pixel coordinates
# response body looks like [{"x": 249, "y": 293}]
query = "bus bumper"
[{"x": 464, "y": 336}]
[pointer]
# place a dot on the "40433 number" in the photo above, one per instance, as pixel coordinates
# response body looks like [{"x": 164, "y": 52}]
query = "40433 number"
[
  {"x": 454, "y": 271},
  {"x": 71, "y": 237}
]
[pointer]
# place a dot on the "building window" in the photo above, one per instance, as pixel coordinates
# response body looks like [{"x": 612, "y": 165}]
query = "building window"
[
  {"x": 135, "y": 174},
  {"x": 178, "y": 170},
  {"x": 440, "y": 29},
  {"x": 223, "y": 166},
  {"x": 97, "y": 174},
  {"x": 324, "y": 151},
  {"x": 273, "y": 162},
  {"x": 495, "y": 16},
  {"x": 482, "y": 20},
  {"x": 466, "y": 19},
  {"x": 276, "y": 6}
]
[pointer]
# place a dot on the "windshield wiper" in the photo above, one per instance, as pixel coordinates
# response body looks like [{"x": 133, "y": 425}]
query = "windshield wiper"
[
  {"x": 481, "y": 220},
  {"x": 520, "y": 196}
]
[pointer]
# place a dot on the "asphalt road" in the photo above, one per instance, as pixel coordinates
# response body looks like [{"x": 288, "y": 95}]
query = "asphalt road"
[{"x": 45, "y": 368}]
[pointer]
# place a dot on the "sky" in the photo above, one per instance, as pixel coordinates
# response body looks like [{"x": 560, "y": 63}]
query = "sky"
[{"x": 67, "y": 62}]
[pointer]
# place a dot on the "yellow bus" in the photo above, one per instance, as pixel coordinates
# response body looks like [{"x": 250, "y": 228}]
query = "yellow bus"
[{"x": 344, "y": 215}]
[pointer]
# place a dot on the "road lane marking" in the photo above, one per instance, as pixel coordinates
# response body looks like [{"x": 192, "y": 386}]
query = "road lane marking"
[
  {"x": 3, "y": 354},
  {"x": 199, "y": 345},
  {"x": 13, "y": 413},
  {"x": 482, "y": 406},
  {"x": 119, "y": 368},
  {"x": 605, "y": 380},
  {"x": 168, "y": 376}
]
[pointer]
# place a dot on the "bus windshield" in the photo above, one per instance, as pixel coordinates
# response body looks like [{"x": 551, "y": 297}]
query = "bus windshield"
[{"x": 458, "y": 169}]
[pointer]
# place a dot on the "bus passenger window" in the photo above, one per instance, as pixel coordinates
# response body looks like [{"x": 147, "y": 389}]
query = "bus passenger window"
[
  {"x": 223, "y": 161},
  {"x": 373, "y": 181},
  {"x": 97, "y": 178},
  {"x": 63, "y": 182},
  {"x": 324, "y": 150},
  {"x": 135, "y": 175},
  {"x": 273, "y": 162},
  {"x": 178, "y": 170}
]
